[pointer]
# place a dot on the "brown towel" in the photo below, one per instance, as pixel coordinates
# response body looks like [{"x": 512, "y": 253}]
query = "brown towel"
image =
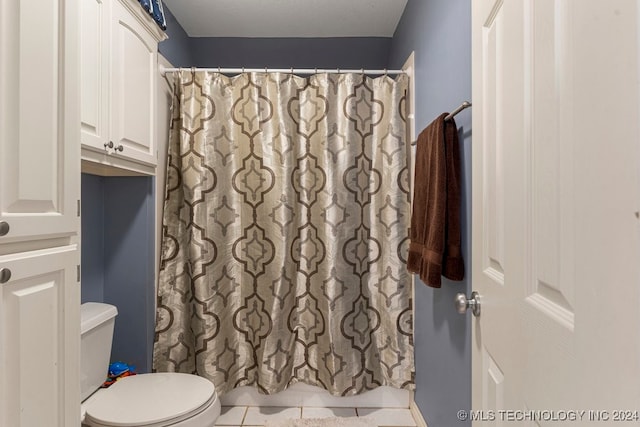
[{"x": 435, "y": 222}]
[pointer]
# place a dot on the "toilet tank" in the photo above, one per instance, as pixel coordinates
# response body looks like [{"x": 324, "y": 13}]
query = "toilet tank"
[{"x": 96, "y": 327}]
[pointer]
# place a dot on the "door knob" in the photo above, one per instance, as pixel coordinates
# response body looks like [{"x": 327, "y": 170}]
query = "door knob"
[{"x": 463, "y": 304}]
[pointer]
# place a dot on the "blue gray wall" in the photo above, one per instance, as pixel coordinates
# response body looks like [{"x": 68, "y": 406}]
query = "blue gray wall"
[
  {"x": 92, "y": 229},
  {"x": 129, "y": 264},
  {"x": 177, "y": 48},
  {"x": 439, "y": 31},
  {"x": 343, "y": 52},
  {"x": 118, "y": 214}
]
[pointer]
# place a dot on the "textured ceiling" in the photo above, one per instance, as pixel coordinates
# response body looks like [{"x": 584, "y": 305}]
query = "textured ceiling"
[{"x": 288, "y": 18}]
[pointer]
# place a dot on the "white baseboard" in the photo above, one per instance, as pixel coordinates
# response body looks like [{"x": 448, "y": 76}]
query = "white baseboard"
[{"x": 417, "y": 415}]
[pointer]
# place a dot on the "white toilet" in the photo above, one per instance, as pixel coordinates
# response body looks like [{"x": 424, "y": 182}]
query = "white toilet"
[{"x": 150, "y": 400}]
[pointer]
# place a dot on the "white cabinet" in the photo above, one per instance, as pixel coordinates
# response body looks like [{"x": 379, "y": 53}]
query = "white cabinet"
[
  {"x": 38, "y": 155},
  {"x": 134, "y": 70},
  {"x": 119, "y": 77},
  {"x": 39, "y": 213},
  {"x": 39, "y": 338}
]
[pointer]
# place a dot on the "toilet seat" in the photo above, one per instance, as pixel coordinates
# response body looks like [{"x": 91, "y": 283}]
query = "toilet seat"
[{"x": 154, "y": 400}]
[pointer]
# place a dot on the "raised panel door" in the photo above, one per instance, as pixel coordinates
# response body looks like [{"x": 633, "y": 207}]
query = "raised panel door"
[
  {"x": 39, "y": 339},
  {"x": 556, "y": 202},
  {"x": 39, "y": 134},
  {"x": 498, "y": 230},
  {"x": 133, "y": 87}
]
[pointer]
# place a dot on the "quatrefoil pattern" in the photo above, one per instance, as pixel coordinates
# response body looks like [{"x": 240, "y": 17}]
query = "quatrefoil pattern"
[{"x": 285, "y": 231}]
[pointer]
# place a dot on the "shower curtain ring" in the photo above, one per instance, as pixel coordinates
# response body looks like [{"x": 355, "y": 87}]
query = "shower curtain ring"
[
  {"x": 385, "y": 72},
  {"x": 362, "y": 71},
  {"x": 315, "y": 70},
  {"x": 242, "y": 70},
  {"x": 219, "y": 71},
  {"x": 265, "y": 70},
  {"x": 338, "y": 70}
]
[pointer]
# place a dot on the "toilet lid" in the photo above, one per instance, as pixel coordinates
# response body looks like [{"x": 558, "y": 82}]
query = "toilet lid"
[{"x": 150, "y": 399}]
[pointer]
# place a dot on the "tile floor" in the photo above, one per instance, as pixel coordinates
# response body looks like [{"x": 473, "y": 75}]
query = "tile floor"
[{"x": 236, "y": 416}]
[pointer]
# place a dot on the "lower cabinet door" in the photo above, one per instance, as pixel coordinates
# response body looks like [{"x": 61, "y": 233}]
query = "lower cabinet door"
[{"x": 40, "y": 338}]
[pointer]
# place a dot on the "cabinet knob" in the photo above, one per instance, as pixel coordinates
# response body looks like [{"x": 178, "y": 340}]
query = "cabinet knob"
[
  {"x": 4, "y": 228},
  {"x": 108, "y": 144},
  {"x": 120, "y": 148},
  {"x": 5, "y": 275}
]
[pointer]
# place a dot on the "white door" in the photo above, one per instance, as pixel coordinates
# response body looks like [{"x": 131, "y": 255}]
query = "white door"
[{"x": 556, "y": 196}]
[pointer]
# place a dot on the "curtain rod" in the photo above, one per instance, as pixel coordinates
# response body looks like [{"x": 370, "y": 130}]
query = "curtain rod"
[{"x": 164, "y": 70}]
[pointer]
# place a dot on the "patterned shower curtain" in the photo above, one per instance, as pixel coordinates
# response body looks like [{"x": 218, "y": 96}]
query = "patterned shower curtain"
[{"x": 285, "y": 233}]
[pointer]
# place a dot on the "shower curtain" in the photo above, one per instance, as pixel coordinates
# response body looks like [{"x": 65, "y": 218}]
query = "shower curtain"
[{"x": 285, "y": 233}]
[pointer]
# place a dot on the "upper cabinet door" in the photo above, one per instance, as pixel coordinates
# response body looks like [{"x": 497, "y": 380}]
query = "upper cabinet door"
[
  {"x": 133, "y": 87},
  {"x": 94, "y": 65},
  {"x": 39, "y": 134}
]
